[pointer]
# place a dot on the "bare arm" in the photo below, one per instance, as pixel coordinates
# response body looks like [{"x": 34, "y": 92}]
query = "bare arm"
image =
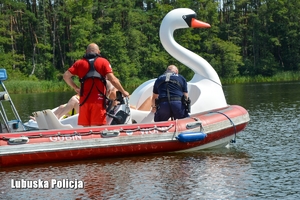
[
  {"x": 186, "y": 95},
  {"x": 153, "y": 106},
  {"x": 68, "y": 79},
  {"x": 116, "y": 83}
]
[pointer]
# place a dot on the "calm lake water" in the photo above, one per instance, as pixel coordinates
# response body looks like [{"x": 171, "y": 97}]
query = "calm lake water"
[{"x": 263, "y": 164}]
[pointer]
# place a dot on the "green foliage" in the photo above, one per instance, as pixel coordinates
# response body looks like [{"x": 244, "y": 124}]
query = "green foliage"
[
  {"x": 279, "y": 77},
  {"x": 41, "y": 39},
  {"x": 224, "y": 57},
  {"x": 7, "y": 59},
  {"x": 17, "y": 75},
  {"x": 17, "y": 87},
  {"x": 81, "y": 27}
]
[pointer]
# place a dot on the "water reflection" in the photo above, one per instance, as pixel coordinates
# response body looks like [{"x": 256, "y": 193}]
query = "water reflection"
[
  {"x": 263, "y": 164},
  {"x": 171, "y": 176},
  {"x": 271, "y": 138}
]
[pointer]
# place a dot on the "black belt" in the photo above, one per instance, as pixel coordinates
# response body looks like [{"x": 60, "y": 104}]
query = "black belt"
[{"x": 165, "y": 99}]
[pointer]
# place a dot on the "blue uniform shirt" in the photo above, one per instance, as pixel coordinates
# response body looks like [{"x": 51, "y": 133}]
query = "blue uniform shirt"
[{"x": 175, "y": 90}]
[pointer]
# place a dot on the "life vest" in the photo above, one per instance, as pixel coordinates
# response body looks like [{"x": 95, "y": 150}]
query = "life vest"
[
  {"x": 167, "y": 80},
  {"x": 169, "y": 98},
  {"x": 92, "y": 73}
]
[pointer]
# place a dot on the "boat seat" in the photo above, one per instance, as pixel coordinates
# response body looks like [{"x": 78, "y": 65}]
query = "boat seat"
[
  {"x": 53, "y": 122},
  {"x": 40, "y": 120}
]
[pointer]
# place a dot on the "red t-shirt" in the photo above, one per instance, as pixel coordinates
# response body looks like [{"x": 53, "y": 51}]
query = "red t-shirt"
[{"x": 81, "y": 68}]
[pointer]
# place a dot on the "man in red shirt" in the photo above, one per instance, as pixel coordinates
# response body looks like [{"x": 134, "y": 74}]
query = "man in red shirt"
[{"x": 92, "y": 92}]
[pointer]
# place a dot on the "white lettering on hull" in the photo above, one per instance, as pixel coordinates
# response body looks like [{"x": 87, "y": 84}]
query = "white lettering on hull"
[{"x": 60, "y": 138}]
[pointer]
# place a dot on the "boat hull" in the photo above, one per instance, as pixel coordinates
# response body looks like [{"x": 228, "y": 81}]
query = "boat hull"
[{"x": 220, "y": 127}]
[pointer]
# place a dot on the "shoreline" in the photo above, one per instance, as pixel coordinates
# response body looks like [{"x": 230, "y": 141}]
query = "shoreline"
[{"x": 30, "y": 86}]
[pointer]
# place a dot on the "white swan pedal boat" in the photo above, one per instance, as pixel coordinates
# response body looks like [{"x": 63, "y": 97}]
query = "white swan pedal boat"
[{"x": 212, "y": 123}]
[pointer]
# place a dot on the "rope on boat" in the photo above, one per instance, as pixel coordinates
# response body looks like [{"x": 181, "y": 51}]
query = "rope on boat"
[
  {"x": 176, "y": 129},
  {"x": 40, "y": 135},
  {"x": 233, "y": 140}
]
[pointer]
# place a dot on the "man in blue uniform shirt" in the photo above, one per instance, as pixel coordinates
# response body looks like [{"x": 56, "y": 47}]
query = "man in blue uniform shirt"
[{"x": 169, "y": 93}]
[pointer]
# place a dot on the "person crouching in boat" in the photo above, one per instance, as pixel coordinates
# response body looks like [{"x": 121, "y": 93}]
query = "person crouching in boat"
[
  {"x": 170, "y": 96},
  {"x": 92, "y": 70}
]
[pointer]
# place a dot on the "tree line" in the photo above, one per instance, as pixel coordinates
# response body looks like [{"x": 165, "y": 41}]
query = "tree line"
[{"x": 42, "y": 38}]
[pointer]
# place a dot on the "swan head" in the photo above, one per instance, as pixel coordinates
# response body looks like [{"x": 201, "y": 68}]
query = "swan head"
[{"x": 183, "y": 18}]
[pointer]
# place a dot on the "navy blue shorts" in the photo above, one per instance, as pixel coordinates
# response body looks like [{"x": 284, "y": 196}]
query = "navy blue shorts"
[{"x": 165, "y": 111}]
